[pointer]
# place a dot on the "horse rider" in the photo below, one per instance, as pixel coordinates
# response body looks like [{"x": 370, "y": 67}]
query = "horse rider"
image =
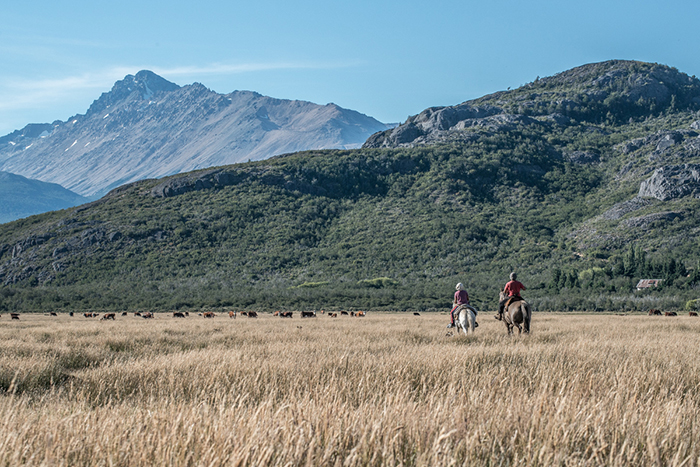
[
  {"x": 512, "y": 293},
  {"x": 461, "y": 298}
]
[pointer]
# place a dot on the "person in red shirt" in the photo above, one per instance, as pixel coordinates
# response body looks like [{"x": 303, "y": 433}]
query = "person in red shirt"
[
  {"x": 461, "y": 298},
  {"x": 511, "y": 291}
]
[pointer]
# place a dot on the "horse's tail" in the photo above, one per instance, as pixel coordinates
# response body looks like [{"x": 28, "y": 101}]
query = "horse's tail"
[{"x": 527, "y": 316}]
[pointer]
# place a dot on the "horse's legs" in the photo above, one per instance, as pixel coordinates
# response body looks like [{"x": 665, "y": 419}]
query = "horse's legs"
[{"x": 527, "y": 317}]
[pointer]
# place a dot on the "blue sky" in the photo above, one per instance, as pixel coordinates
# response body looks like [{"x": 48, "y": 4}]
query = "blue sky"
[{"x": 387, "y": 59}]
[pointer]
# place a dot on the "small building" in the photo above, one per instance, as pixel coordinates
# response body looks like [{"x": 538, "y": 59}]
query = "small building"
[{"x": 646, "y": 283}]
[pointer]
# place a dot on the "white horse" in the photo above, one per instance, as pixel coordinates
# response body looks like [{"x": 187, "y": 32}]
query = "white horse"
[{"x": 465, "y": 317}]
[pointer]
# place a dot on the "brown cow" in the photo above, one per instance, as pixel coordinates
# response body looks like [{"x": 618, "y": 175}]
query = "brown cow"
[
  {"x": 333, "y": 315},
  {"x": 87, "y": 315},
  {"x": 232, "y": 314},
  {"x": 254, "y": 314},
  {"x": 14, "y": 315},
  {"x": 108, "y": 316},
  {"x": 147, "y": 315},
  {"x": 53, "y": 313},
  {"x": 276, "y": 313},
  {"x": 208, "y": 314},
  {"x": 692, "y": 313},
  {"x": 361, "y": 313},
  {"x": 178, "y": 314},
  {"x": 244, "y": 313},
  {"x": 125, "y": 313},
  {"x": 654, "y": 312},
  {"x": 138, "y": 313},
  {"x": 670, "y": 313},
  {"x": 286, "y": 314}
]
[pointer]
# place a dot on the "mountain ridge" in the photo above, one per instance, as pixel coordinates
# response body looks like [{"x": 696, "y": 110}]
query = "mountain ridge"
[
  {"x": 23, "y": 197},
  {"x": 597, "y": 92}
]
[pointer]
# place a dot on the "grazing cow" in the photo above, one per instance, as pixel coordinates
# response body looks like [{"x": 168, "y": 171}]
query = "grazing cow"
[
  {"x": 208, "y": 314},
  {"x": 177, "y": 314},
  {"x": 232, "y": 314},
  {"x": 344, "y": 313},
  {"x": 70, "y": 314},
  {"x": 124, "y": 313},
  {"x": 14, "y": 315},
  {"x": 147, "y": 315},
  {"x": 108, "y": 316},
  {"x": 654, "y": 312},
  {"x": 87, "y": 315},
  {"x": 276, "y": 313},
  {"x": 308, "y": 314},
  {"x": 286, "y": 314},
  {"x": 53, "y": 313},
  {"x": 254, "y": 314},
  {"x": 361, "y": 314},
  {"x": 670, "y": 313},
  {"x": 692, "y": 313},
  {"x": 352, "y": 313},
  {"x": 244, "y": 313},
  {"x": 138, "y": 313},
  {"x": 415, "y": 313},
  {"x": 333, "y": 315}
]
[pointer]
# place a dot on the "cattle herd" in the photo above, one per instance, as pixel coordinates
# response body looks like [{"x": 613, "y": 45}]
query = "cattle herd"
[
  {"x": 281, "y": 314},
  {"x": 204, "y": 314},
  {"x": 656, "y": 312}
]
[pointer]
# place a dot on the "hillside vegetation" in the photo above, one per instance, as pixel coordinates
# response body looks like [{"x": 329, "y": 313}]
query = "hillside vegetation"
[{"x": 554, "y": 197}]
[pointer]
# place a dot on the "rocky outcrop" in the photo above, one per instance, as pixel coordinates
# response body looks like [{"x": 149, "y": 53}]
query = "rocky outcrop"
[
  {"x": 672, "y": 182},
  {"x": 443, "y": 124},
  {"x": 215, "y": 178}
]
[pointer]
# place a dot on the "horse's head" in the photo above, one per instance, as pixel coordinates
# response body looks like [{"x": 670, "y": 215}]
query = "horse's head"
[{"x": 501, "y": 296}]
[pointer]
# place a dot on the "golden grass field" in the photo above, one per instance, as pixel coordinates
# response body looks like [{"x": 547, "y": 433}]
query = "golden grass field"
[{"x": 388, "y": 389}]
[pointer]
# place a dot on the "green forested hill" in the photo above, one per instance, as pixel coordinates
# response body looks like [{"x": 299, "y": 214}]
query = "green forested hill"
[{"x": 394, "y": 228}]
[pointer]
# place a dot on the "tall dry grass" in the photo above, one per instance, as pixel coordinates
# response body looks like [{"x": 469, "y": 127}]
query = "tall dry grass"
[{"x": 389, "y": 389}]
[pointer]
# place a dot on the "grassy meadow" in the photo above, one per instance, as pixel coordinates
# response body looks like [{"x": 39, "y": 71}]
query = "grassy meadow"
[{"x": 388, "y": 389}]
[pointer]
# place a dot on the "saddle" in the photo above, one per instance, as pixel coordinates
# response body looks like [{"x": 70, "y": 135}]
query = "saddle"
[
  {"x": 512, "y": 300},
  {"x": 464, "y": 305}
]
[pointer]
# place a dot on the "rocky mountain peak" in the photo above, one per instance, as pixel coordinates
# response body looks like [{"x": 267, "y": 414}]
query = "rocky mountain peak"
[
  {"x": 144, "y": 85},
  {"x": 146, "y": 126}
]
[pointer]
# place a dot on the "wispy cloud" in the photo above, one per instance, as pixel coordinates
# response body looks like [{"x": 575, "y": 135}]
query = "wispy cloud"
[{"x": 21, "y": 93}]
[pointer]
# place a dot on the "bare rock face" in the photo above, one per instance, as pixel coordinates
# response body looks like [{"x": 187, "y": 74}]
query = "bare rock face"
[
  {"x": 148, "y": 127},
  {"x": 658, "y": 217},
  {"x": 621, "y": 209},
  {"x": 672, "y": 182},
  {"x": 582, "y": 157}
]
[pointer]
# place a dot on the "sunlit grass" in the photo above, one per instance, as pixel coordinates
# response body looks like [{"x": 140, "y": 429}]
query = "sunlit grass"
[{"x": 388, "y": 389}]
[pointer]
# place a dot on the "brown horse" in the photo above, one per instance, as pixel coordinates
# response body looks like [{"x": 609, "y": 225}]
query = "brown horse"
[{"x": 515, "y": 314}]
